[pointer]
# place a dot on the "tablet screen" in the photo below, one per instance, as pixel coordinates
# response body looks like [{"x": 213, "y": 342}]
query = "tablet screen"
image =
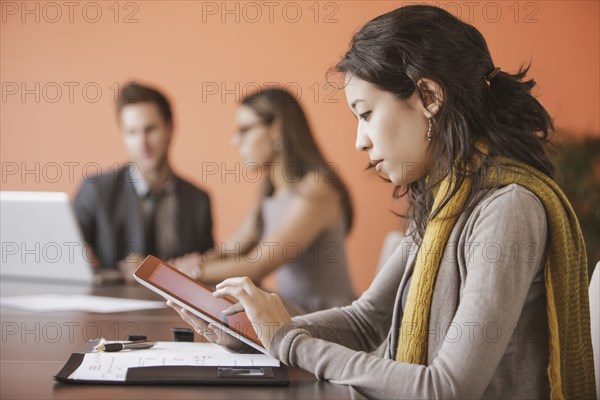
[{"x": 189, "y": 291}]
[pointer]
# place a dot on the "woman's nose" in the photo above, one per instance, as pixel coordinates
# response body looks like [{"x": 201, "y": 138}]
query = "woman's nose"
[{"x": 363, "y": 142}]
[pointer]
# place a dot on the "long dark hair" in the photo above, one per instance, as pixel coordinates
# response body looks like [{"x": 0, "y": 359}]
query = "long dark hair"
[
  {"x": 299, "y": 147},
  {"x": 397, "y": 49}
]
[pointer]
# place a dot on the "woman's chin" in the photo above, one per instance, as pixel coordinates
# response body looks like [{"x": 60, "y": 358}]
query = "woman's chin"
[
  {"x": 383, "y": 175},
  {"x": 400, "y": 180},
  {"x": 395, "y": 179}
]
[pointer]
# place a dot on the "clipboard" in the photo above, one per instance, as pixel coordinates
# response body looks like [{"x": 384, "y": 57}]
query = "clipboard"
[{"x": 180, "y": 374}]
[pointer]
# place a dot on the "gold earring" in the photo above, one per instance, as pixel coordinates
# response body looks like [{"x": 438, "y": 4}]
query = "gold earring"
[{"x": 429, "y": 131}]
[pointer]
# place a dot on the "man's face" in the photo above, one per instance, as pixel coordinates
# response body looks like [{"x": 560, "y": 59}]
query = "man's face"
[{"x": 146, "y": 135}]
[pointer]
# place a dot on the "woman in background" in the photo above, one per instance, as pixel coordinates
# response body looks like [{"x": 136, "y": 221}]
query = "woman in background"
[{"x": 298, "y": 226}]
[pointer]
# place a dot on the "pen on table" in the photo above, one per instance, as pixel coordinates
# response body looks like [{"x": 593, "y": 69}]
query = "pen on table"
[{"x": 113, "y": 347}]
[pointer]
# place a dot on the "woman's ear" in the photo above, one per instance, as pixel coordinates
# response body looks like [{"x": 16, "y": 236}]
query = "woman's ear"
[{"x": 433, "y": 96}]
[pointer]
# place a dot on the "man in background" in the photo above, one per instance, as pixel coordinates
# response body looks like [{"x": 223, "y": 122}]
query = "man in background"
[{"x": 143, "y": 207}]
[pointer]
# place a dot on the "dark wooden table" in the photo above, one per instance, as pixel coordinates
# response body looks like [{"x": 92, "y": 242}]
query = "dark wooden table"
[{"x": 34, "y": 347}]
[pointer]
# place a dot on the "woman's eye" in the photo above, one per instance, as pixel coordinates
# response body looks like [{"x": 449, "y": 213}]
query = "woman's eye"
[{"x": 364, "y": 115}]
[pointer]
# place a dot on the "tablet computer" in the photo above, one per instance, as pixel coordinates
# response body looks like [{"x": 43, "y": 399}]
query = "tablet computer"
[{"x": 197, "y": 298}]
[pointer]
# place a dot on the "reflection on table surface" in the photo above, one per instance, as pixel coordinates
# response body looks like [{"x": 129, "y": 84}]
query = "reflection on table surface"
[{"x": 35, "y": 346}]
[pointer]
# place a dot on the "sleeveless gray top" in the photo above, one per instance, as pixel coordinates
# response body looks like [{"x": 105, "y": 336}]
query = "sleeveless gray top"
[{"x": 314, "y": 277}]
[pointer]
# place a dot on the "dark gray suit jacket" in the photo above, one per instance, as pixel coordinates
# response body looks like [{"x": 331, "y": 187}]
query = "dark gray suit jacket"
[{"x": 110, "y": 215}]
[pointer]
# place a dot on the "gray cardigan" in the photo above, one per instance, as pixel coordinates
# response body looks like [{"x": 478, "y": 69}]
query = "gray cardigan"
[{"x": 488, "y": 333}]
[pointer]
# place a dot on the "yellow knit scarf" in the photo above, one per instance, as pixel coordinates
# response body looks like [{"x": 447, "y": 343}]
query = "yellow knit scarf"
[{"x": 571, "y": 365}]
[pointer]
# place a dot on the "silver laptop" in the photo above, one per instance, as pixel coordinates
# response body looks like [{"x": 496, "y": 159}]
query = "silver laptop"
[{"x": 40, "y": 238}]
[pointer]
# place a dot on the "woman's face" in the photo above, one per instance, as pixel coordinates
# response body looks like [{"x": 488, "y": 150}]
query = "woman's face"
[
  {"x": 393, "y": 132},
  {"x": 253, "y": 139}
]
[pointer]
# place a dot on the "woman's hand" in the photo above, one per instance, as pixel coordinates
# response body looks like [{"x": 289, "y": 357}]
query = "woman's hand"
[
  {"x": 211, "y": 332},
  {"x": 190, "y": 264},
  {"x": 265, "y": 310}
]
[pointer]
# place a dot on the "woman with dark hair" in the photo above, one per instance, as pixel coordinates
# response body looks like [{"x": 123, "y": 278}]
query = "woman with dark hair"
[
  {"x": 487, "y": 295},
  {"x": 298, "y": 227}
]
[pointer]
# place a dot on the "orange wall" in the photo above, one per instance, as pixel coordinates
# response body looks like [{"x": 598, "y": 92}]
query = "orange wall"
[{"x": 185, "y": 48}]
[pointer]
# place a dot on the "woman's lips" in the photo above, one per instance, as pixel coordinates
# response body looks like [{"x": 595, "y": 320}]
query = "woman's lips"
[{"x": 378, "y": 164}]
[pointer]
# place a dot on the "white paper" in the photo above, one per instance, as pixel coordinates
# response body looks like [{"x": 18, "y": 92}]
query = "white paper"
[
  {"x": 101, "y": 366},
  {"x": 58, "y": 302}
]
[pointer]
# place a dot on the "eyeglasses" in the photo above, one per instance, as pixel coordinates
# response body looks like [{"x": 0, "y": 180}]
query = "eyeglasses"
[{"x": 242, "y": 130}]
